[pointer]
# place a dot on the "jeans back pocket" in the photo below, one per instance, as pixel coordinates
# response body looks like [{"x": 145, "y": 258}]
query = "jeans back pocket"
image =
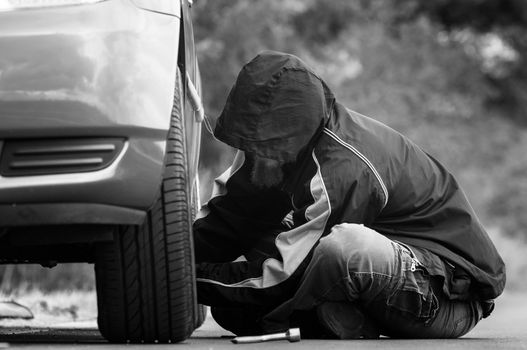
[{"x": 414, "y": 295}]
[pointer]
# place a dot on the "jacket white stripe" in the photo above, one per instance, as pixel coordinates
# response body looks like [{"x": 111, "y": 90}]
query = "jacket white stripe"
[
  {"x": 219, "y": 188},
  {"x": 363, "y": 158},
  {"x": 293, "y": 245}
]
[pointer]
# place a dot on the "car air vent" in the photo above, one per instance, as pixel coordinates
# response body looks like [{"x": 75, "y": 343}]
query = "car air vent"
[{"x": 58, "y": 156}]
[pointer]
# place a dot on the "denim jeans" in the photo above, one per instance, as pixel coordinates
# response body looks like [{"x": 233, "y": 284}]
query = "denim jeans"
[
  {"x": 384, "y": 279},
  {"x": 380, "y": 279}
]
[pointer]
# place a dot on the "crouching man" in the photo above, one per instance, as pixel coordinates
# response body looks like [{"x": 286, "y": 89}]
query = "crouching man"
[{"x": 330, "y": 221}]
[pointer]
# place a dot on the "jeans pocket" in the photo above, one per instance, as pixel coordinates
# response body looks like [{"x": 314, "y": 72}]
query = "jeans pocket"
[{"x": 414, "y": 296}]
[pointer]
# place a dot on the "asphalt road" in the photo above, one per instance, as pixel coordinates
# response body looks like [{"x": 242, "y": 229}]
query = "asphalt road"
[{"x": 505, "y": 329}]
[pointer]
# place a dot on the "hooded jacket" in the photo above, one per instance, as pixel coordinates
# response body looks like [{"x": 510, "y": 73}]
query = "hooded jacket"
[{"x": 348, "y": 168}]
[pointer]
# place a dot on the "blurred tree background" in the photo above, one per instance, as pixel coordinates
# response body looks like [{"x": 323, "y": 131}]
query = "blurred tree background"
[{"x": 450, "y": 74}]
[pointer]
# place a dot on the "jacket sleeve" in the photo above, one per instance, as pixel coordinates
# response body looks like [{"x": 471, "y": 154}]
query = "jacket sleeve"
[{"x": 231, "y": 228}]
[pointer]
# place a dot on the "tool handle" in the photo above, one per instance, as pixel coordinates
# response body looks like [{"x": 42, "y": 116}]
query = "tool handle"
[{"x": 258, "y": 338}]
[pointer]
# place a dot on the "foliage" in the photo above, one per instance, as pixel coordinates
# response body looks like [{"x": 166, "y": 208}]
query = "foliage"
[
  {"x": 483, "y": 16},
  {"x": 505, "y": 19}
]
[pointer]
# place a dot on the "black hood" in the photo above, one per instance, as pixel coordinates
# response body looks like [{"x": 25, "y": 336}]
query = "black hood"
[{"x": 275, "y": 107}]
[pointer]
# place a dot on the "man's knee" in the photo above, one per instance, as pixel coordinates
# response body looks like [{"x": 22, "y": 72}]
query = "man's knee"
[
  {"x": 351, "y": 243},
  {"x": 347, "y": 237}
]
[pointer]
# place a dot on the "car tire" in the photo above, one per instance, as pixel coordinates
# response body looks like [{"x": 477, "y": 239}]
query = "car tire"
[{"x": 145, "y": 277}]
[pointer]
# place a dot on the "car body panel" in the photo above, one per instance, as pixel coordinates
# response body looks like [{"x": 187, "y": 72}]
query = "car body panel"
[
  {"x": 114, "y": 68},
  {"x": 193, "y": 129},
  {"x": 83, "y": 71}
]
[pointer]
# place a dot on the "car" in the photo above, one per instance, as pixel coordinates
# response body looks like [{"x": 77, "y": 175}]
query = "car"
[{"x": 100, "y": 122}]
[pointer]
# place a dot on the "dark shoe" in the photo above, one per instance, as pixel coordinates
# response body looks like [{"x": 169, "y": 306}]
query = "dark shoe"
[
  {"x": 310, "y": 328},
  {"x": 344, "y": 320}
]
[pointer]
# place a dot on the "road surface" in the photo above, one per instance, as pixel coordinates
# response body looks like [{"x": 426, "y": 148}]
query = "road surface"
[{"x": 505, "y": 329}]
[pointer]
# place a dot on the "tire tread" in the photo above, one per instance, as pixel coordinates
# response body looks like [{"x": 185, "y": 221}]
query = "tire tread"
[{"x": 145, "y": 278}]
